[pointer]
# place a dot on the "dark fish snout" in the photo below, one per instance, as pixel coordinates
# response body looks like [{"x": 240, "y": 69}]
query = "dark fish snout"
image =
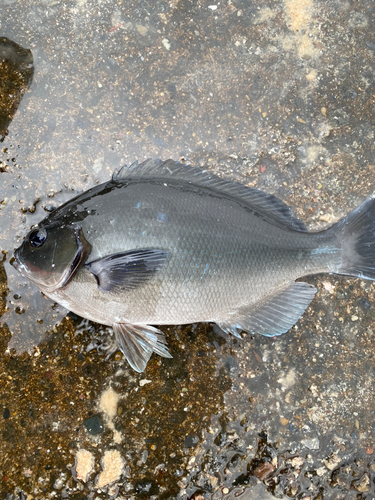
[{"x": 14, "y": 261}]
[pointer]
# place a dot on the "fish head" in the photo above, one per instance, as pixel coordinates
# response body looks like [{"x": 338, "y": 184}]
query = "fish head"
[{"x": 51, "y": 254}]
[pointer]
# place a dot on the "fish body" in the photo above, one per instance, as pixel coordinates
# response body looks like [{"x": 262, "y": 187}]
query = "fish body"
[{"x": 163, "y": 243}]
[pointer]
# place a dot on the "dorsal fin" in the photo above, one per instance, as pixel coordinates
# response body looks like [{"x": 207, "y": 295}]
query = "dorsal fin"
[{"x": 266, "y": 205}]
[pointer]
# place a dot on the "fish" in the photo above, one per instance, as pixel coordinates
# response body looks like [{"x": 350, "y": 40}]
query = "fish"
[{"x": 163, "y": 243}]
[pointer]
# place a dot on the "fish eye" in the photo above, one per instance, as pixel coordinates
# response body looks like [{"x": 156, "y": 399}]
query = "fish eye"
[{"x": 37, "y": 238}]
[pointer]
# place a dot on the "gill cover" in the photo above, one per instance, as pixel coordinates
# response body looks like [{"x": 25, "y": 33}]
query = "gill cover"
[{"x": 50, "y": 255}]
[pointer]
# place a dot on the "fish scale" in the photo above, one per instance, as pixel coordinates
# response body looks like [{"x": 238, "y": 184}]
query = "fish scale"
[
  {"x": 163, "y": 243},
  {"x": 227, "y": 253}
]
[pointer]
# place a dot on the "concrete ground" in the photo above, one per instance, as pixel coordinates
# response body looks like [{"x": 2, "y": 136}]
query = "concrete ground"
[{"x": 276, "y": 95}]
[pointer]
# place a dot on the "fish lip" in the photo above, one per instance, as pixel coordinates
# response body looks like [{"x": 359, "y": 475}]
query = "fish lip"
[
  {"x": 18, "y": 265},
  {"x": 15, "y": 262}
]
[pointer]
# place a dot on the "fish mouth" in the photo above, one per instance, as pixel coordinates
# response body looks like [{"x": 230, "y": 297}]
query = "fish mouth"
[
  {"x": 15, "y": 262},
  {"x": 21, "y": 267}
]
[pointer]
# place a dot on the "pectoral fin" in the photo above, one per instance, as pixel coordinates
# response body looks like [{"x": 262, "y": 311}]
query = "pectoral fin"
[
  {"x": 275, "y": 315},
  {"x": 128, "y": 270},
  {"x": 138, "y": 342}
]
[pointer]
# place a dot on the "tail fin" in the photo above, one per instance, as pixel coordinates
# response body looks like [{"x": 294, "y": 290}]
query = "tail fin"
[{"x": 357, "y": 235}]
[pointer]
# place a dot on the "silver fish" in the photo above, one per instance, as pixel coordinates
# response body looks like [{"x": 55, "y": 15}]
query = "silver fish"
[{"x": 163, "y": 243}]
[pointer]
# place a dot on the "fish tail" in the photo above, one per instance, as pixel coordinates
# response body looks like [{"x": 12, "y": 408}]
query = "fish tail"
[{"x": 356, "y": 233}]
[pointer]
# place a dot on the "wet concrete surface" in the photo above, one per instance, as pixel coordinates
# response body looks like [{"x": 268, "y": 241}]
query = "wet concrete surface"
[
  {"x": 17, "y": 68},
  {"x": 276, "y": 95}
]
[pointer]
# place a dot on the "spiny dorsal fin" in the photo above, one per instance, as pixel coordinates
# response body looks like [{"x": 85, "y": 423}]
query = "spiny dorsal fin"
[{"x": 266, "y": 205}]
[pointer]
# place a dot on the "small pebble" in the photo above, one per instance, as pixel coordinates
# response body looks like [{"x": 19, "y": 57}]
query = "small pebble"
[
  {"x": 166, "y": 43},
  {"x": 332, "y": 461},
  {"x": 297, "y": 462},
  {"x": 363, "y": 484},
  {"x": 93, "y": 425},
  {"x": 264, "y": 470},
  {"x": 311, "y": 444},
  {"x": 113, "y": 466},
  {"x": 84, "y": 465}
]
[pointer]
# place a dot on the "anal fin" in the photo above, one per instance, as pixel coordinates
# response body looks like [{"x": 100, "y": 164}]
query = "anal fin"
[
  {"x": 138, "y": 342},
  {"x": 275, "y": 314}
]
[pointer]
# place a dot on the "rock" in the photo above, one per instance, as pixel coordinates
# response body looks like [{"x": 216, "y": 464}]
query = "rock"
[
  {"x": 113, "y": 466},
  {"x": 297, "y": 462},
  {"x": 362, "y": 484},
  {"x": 264, "y": 470},
  {"x": 190, "y": 441},
  {"x": 93, "y": 425},
  {"x": 84, "y": 465},
  {"x": 311, "y": 444},
  {"x": 332, "y": 461}
]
